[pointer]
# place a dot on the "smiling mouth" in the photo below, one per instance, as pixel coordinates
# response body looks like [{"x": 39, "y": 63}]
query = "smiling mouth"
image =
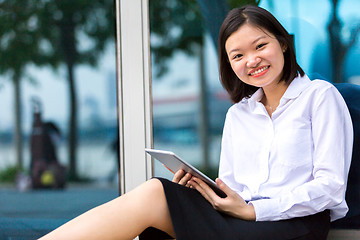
[{"x": 258, "y": 71}]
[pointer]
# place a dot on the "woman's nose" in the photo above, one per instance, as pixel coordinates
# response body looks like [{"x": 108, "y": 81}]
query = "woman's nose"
[{"x": 253, "y": 62}]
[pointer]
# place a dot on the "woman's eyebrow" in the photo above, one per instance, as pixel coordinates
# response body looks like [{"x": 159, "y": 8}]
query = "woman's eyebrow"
[
  {"x": 258, "y": 38},
  {"x": 233, "y": 50},
  {"x": 252, "y": 43}
]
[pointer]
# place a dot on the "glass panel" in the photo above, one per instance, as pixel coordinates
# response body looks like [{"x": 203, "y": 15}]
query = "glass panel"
[
  {"x": 189, "y": 102},
  {"x": 326, "y": 34},
  {"x": 58, "y": 127}
]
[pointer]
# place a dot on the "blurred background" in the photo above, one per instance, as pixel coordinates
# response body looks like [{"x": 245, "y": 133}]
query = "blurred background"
[{"x": 58, "y": 98}]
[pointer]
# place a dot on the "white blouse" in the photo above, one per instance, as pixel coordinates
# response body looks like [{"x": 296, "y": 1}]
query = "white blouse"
[{"x": 295, "y": 163}]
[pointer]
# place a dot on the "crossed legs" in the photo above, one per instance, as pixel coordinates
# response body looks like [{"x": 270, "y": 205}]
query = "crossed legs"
[{"x": 122, "y": 218}]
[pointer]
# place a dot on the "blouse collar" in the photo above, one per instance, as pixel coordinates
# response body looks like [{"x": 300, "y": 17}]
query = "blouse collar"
[{"x": 296, "y": 87}]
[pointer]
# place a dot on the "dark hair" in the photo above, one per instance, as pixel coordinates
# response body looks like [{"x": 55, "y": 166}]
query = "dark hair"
[{"x": 261, "y": 18}]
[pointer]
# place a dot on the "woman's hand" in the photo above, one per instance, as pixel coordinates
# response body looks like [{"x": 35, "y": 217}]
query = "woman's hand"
[
  {"x": 182, "y": 178},
  {"x": 232, "y": 205}
]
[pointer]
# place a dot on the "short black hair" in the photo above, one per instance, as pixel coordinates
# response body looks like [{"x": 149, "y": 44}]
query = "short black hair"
[{"x": 263, "y": 19}]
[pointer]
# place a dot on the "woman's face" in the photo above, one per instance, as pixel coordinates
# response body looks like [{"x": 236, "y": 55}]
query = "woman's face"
[{"x": 255, "y": 56}]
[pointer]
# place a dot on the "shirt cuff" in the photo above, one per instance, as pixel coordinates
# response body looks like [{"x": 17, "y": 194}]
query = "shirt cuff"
[{"x": 267, "y": 209}]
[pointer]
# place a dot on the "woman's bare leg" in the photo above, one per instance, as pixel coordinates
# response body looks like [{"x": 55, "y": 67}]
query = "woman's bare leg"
[{"x": 122, "y": 218}]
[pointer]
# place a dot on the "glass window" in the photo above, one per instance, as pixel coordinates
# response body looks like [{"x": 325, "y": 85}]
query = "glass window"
[
  {"x": 189, "y": 104},
  {"x": 58, "y": 127},
  {"x": 326, "y": 36}
]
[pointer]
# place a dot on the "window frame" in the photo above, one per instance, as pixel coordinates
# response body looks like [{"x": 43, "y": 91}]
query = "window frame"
[{"x": 134, "y": 92}]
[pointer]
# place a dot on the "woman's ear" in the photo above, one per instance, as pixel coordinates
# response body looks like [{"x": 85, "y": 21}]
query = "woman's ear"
[{"x": 283, "y": 46}]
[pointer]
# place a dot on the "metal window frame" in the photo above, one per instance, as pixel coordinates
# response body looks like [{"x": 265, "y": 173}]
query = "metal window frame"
[{"x": 134, "y": 92}]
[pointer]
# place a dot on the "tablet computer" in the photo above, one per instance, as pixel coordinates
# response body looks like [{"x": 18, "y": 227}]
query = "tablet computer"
[{"x": 174, "y": 163}]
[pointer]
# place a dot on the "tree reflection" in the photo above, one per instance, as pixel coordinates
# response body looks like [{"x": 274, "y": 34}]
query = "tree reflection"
[
  {"x": 180, "y": 26},
  {"x": 338, "y": 47},
  {"x": 57, "y": 33}
]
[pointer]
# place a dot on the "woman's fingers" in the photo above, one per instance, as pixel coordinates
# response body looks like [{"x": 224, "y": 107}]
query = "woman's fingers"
[
  {"x": 225, "y": 188},
  {"x": 178, "y": 175},
  {"x": 204, "y": 190},
  {"x": 182, "y": 178},
  {"x": 184, "y": 181},
  {"x": 196, "y": 185},
  {"x": 233, "y": 204}
]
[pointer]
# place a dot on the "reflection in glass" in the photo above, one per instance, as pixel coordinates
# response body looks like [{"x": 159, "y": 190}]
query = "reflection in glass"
[
  {"x": 326, "y": 36},
  {"x": 189, "y": 104},
  {"x": 58, "y": 127}
]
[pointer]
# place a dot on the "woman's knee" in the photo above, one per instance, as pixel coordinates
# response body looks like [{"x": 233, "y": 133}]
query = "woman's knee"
[
  {"x": 156, "y": 182},
  {"x": 155, "y": 187},
  {"x": 150, "y": 192}
]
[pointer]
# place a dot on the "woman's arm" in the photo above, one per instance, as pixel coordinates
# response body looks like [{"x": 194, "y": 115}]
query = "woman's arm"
[{"x": 332, "y": 136}]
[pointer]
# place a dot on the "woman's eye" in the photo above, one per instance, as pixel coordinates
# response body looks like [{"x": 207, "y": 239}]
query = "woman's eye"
[
  {"x": 260, "y": 45},
  {"x": 237, "y": 56}
]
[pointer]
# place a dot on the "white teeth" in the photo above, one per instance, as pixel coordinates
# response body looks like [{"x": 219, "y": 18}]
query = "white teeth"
[{"x": 259, "y": 70}]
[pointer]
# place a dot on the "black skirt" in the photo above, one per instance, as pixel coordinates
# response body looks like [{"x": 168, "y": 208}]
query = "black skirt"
[{"x": 193, "y": 217}]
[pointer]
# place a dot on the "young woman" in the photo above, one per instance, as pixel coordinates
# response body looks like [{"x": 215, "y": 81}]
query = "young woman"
[{"x": 285, "y": 157}]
